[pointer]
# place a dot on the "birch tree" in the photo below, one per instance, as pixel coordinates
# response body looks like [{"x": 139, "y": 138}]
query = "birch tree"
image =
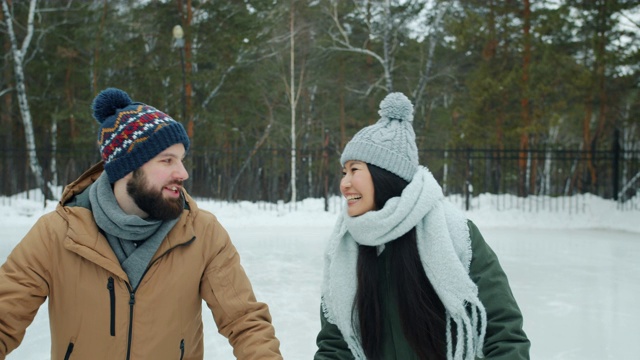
[
  {"x": 433, "y": 39},
  {"x": 18, "y": 55},
  {"x": 293, "y": 95},
  {"x": 526, "y": 178}
]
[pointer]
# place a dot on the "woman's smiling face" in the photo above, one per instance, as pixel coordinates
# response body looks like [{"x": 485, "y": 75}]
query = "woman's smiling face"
[{"x": 357, "y": 187}]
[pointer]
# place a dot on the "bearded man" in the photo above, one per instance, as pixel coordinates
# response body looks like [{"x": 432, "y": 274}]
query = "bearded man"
[{"x": 127, "y": 258}]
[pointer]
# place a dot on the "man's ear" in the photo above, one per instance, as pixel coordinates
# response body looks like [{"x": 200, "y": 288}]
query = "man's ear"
[
  {"x": 127, "y": 177},
  {"x": 120, "y": 186}
]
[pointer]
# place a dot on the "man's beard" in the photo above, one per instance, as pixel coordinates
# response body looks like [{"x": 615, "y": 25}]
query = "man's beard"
[{"x": 152, "y": 201}]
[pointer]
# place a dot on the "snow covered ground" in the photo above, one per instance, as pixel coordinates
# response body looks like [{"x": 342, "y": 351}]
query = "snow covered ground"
[{"x": 576, "y": 275}]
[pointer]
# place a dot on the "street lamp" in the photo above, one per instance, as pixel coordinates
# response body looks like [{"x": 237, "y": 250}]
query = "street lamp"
[{"x": 178, "y": 36}]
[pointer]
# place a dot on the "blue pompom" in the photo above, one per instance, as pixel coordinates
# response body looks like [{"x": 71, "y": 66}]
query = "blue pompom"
[
  {"x": 108, "y": 102},
  {"x": 396, "y": 106}
]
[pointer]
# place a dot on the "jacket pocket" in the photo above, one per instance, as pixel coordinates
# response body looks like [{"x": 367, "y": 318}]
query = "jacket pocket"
[
  {"x": 181, "y": 349},
  {"x": 112, "y": 298},
  {"x": 67, "y": 355}
]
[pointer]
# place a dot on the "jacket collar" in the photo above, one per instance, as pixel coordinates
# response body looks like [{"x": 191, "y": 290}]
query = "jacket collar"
[{"x": 85, "y": 239}]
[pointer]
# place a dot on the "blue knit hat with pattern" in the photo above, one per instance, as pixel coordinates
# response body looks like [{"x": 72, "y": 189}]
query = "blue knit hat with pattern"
[
  {"x": 390, "y": 143},
  {"x": 132, "y": 133}
]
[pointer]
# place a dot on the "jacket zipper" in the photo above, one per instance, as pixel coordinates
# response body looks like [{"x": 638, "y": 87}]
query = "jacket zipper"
[
  {"x": 67, "y": 355},
  {"x": 132, "y": 295},
  {"x": 132, "y": 301},
  {"x": 112, "y": 297},
  {"x": 181, "y": 349}
]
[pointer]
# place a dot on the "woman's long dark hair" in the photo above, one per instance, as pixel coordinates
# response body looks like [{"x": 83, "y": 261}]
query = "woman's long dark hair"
[{"x": 422, "y": 314}]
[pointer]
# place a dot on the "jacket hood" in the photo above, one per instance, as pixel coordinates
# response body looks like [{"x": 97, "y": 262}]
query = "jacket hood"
[{"x": 81, "y": 183}]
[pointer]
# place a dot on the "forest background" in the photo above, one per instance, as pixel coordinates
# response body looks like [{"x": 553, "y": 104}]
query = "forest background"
[{"x": 523, "y": 97}]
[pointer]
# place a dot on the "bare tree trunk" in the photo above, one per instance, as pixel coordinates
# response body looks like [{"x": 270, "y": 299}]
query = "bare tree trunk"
[
  {"x": 23, "y": 103},
  {"x": 189, "y": 69},
  {"x": 433, "y": 40},
  {"x": 525, "y": 155},
  {"x": 588, "y": 140},
  {"x": 187, "y": 64},
  {"x": 325, "y": 169},
  {"x": 629, "y": 150},
  {"x": 293, "y": 103},
  {"x": 341, "y": 102},
  {"x": 386, "y": 47},
  {"x": 545, "y": 186},
  {"x": 601, "y": 76},
  {"x": 95, "y": 65},
  {"x": 53, "y": 166},
  {"x": 293, "y": 97},
  {"x": 311, "y": 91}
]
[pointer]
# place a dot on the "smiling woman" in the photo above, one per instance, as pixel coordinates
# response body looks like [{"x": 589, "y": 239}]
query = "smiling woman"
[
  {"x": 407, "y": 276},
  {"x": 357, "y": 187}
]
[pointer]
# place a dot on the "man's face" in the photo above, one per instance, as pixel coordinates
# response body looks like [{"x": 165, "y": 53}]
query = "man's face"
[{"x": 156, "y": 186}]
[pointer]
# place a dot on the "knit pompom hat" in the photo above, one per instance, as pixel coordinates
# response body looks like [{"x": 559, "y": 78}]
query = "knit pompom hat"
[
  {"x": 132, "y": 133},
  {"x": 390, "y": 143}
]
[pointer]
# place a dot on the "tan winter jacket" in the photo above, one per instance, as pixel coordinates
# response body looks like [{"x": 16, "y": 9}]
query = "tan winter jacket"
[{"x": 94, "y": 314}]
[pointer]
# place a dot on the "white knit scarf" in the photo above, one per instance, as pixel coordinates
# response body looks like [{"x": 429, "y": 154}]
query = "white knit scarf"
[{"x": 444, "y": 246}]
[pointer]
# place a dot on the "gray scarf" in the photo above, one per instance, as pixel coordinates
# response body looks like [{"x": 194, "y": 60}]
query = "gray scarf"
[
  {"x": 445, "y": 251},
  {"x": 124, "y": 232}
]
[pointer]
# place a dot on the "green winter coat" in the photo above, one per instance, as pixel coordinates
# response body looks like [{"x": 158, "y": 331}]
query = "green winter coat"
[{"x": 505, "y": 338}]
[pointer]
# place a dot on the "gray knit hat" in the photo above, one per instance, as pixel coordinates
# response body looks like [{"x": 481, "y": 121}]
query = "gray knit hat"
[{"x": 391, "y": 142}]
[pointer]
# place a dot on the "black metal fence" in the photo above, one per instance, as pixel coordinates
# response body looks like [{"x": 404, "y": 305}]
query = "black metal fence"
[{"x": 264, "y": 175}]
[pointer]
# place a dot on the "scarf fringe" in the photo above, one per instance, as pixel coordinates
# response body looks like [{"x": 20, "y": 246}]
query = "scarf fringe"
[{"x": 470, "y": 333}]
